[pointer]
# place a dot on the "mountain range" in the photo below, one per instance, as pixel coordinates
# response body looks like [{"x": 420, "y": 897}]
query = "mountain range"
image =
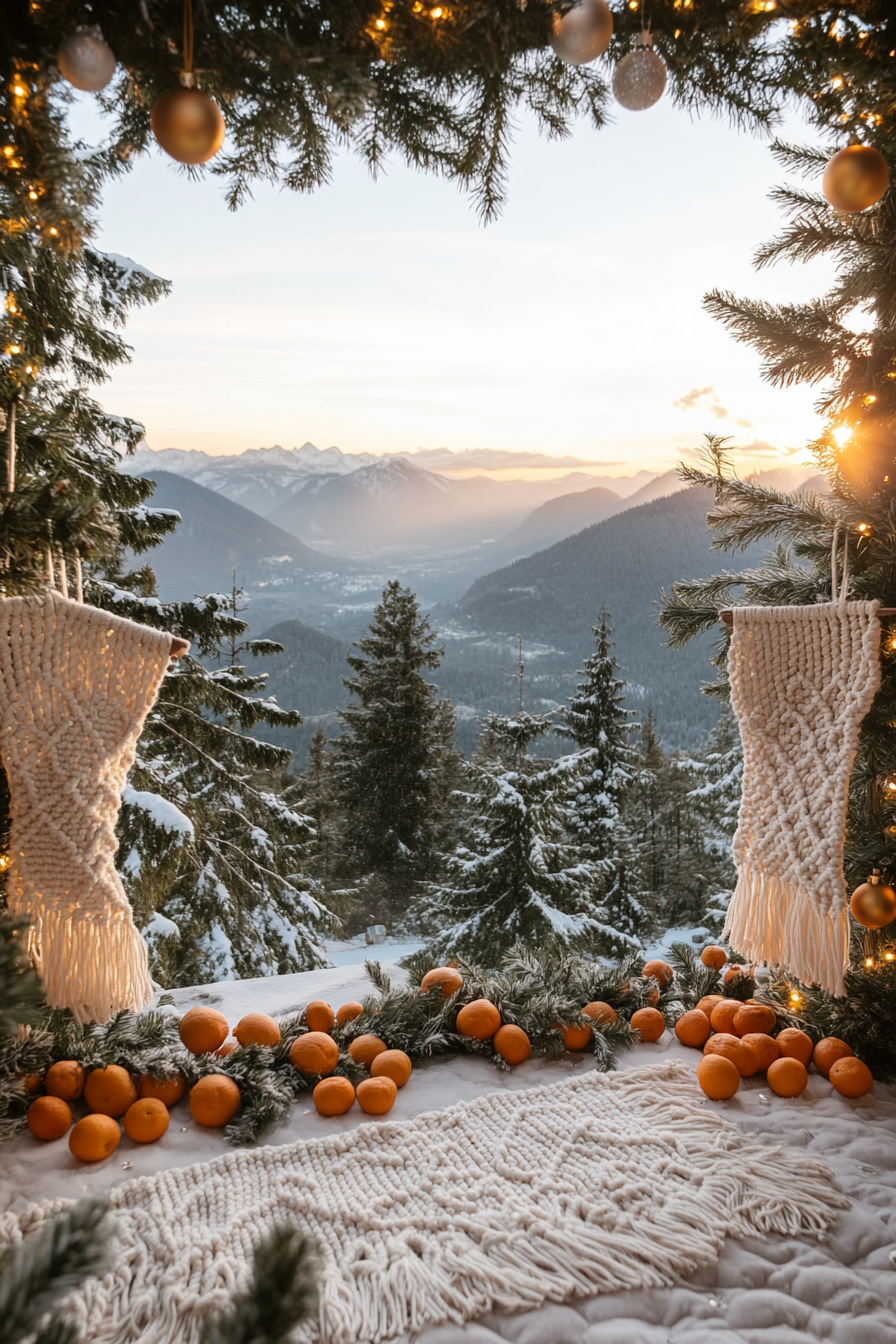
[{"x": 361, "y": 505}]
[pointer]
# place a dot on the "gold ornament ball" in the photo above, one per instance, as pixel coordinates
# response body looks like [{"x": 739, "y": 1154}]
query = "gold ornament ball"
[
  {"x": 188, "y": 125},
  {"x": 86, "y": 60},
  {"x": 855, "y": 178},
  {"x": 583, "y": 33},
  {"x": 639, "y": 79},
  {"x": 873, "y": 904}
]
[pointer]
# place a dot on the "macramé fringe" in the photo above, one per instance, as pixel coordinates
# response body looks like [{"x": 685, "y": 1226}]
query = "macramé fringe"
[
  {"x": 779, "y": 922},
  {"x": 605, "y": 1182},
  {"x": 104, "y": 956}
]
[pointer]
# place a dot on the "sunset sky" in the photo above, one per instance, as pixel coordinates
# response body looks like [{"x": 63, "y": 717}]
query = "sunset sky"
[{"x": 383, "y": 316}]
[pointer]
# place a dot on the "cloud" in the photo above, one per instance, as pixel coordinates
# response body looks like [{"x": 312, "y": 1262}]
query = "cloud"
[{"x": 690, "y": 399}]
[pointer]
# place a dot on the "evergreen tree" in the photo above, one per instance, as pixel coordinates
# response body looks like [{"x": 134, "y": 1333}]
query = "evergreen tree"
[
  {"x": 596, "y": 719},
  {"x": 320, "y": 804},
  {"x": 515, "y": 875},
  {"x": 598, "y": 722},
  {"x": 393, "y": 757},
  {"x": 717, "y": 800}
]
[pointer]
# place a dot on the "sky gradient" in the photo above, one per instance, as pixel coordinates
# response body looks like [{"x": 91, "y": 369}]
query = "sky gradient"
[{"x": 382, "y": 316}]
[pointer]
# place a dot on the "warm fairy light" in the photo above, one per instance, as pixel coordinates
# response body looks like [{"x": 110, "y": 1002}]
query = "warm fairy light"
[
  {"x": 53, "y": 232},
  {"x": 4, "y": 862},
  {"x": 795, "y": 997},
  {"x": 890, "y": 956},
  {"x": 436, "y": 13},
  {"x": 891, "y": 784},
  {"x": 870, "y": 398},
  {"x": 843, "y": 434},
  {"x": 9, "y": 150},
  {"x": 870, "y": 963},
  {"x": 837, "y": 82},
  {"x": 32, "y": 195},
  {"x": 678, "y": 32},
  {"x": 381, "y": 23},
  {"x": 863, "y": 527},
  {"x": 19, "y": 90},
  {"x": 633, "y": 4},
  {"x": 13, "y": 349}
]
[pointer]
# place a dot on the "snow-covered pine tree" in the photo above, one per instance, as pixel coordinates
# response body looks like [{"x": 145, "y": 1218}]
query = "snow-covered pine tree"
[
  {"x": 717, "y": 799},
  {"x": 596, "y": 719},
  {"x": 394, "y": 759},
  {"x": 213, "y": 838},
  {"x": 515, "y": 874}
]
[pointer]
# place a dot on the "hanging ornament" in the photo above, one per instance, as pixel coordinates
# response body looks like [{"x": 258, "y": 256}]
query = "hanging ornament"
[
  {"x": 873, "y": 904},
  {"x": 86, "y": 60},
  {"x": 187, "y": 123},
  {"x": 640, "y": 77},
  {"x": 855, "y": 178},
  {"x": 583, "y": 33}
]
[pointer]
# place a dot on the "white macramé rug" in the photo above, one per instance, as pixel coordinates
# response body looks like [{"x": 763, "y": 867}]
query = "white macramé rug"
[{"x": 606, "y": 1182}]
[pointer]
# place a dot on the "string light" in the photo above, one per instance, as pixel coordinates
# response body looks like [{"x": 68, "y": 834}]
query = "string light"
[
  {"x": 795, "y": 997},
  {"x": 870, "y": 963},
  {"x": 4, "y": 862},
  {"x": 837, "y": 82},
  {"x": 862, "y": 527},
  {"x": 842, "y": 434},
  {"x": 890, "y": 956}
]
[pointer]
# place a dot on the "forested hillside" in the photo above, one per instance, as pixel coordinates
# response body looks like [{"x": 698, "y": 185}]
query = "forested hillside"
[{"x": 555, "y": 596}]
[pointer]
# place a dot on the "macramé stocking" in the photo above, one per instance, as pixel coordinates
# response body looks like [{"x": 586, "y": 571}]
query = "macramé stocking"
[
  {"x": 802, "y": 681},
  {"x": 76, "y": 685}
]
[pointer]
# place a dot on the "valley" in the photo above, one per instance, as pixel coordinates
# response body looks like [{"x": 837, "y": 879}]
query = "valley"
[{"x": 314, "y": 535}]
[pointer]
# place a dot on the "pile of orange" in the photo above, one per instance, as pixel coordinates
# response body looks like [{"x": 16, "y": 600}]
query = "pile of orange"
[
  {"x": 737, "y": 1042},
  {"x": 113, "y": 1101}
]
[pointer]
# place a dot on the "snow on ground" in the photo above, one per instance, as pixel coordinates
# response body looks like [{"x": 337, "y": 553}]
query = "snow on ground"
[
  {"x": 773, "y": 1290},
  {"x": 354, "y": 951}
]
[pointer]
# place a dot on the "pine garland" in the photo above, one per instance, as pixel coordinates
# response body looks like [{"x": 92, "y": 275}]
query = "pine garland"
[{"x": 542, "y": 990}]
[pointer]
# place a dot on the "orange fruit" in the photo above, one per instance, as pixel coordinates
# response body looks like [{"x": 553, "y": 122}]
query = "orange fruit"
[
  {"x": 660, "y": 971},
  {"x": 787, "y": 1076},
  {"x": 315, "y": 1052},
  {"x": 828, "y": 1051},
  {"x": 795, "y": 1044},
  {"x": 146, "y": 1120},
  {"x": 693, "y": 1028},
  {"x": 167, "y": 1090},
  {"x": 110, "y": 1091},
  {"x": 708, "y": 1002},
  {"x": 335, "y": 1096},
  {"x": 348, "y": 1012},
  {"x": 319, "y": 1016},
  {"x": 851, "y": 1078},
  {"x": 66, "y": 1079},
  {"x": 722, "y": 1016},
  {"x": 393, "y": 1064},
  {"x": 226, "y": 1049},
  {"x": 600, "y": 1012},
  {"x": 30, "y": 1081},
  {"x": 49, "y": 1118},
  {"x": 753, "y": 1017},
  {"x": 479, "y": 1020},
  {"x": 764, "y": 1046},
  {"x": 744, "y": 1059},
  {"x": 364, "y": 1049},
  {"x": 733, "y": 972},
  {"x": 714, "y": 957},
  {"x": 258, "y": 1029},
  {"x": 718, "y": 1077},
  {"x": 214, "y": 1100},
  {"x": 649, "y": 1023},
  {"x": 576, "y": 1036},
  {"x": 94, "y": 1137},
  {"x": 203, "y": 1030},
  {"x": 376, "y": 1096},
  {"x": 512, "y": 1044},
  {"x": 446, "y": 977}
]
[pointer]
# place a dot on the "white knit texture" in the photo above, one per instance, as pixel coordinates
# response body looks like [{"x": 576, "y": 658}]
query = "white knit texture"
[
  {"x": 802, "y": 680},
  {"x": 605, "y": 1182},
  {"x": 76, "y": 684}
]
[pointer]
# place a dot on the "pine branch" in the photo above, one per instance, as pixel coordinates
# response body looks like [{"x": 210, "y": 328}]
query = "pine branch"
[
  {"x": 281, "y": 1295},
  {"x": 37, "y": 1272}
]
